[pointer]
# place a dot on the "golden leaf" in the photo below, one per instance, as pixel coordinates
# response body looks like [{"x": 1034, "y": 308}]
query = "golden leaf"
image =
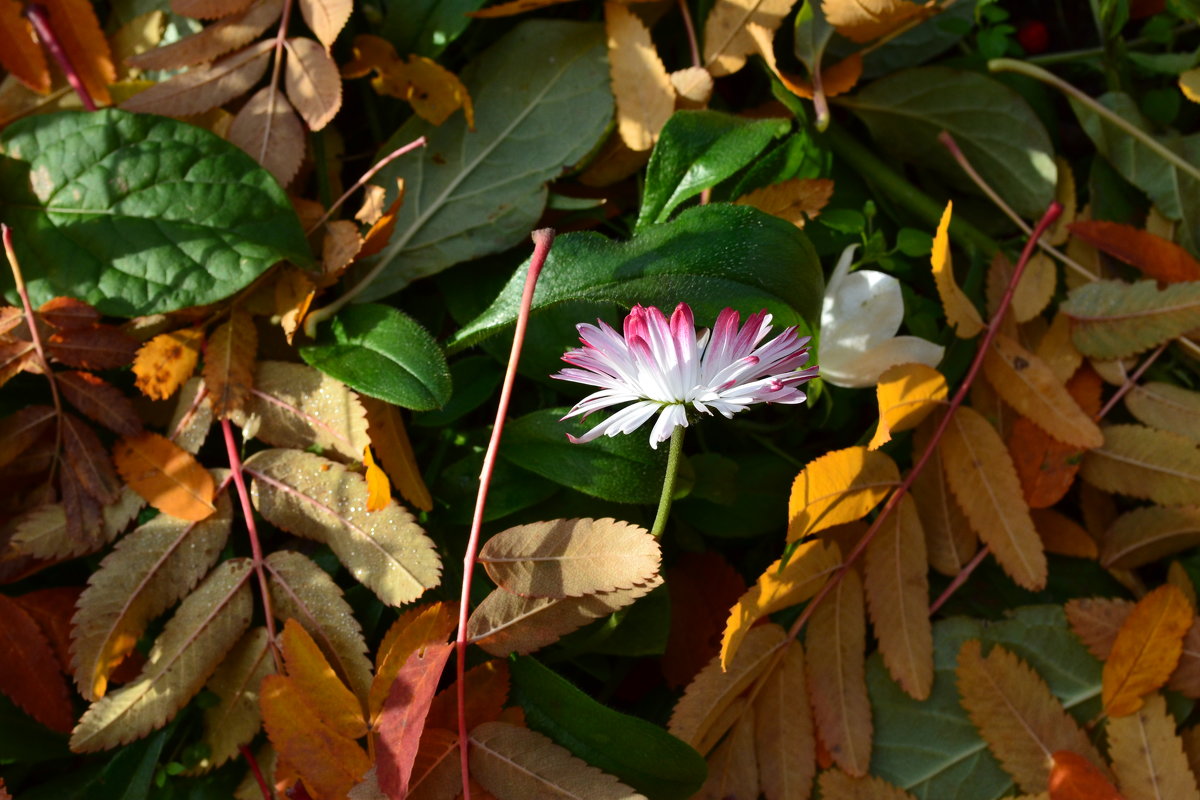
[
  {"x": 379, "y": 491},
  {"x": 571, "y": 558},
  {"x": 1146, "y": 650},
  {"x": 205, "y": 86},
  {"x": 1166, "y": 407},
  {"x": 1148, "y": 756},
  {"x": 386, "y": 429},
  {"x": 434, "y": 92},
  {"x": 326, "y": 18},
  {"x": 1142, "y": 462},
  {"x": 862, "y": 21},
  {"x": 20, "y": 52},
  {"x": 163, "y": 363},
  {"x": 235, "y": 720},
  {"x": 82, "y": 39},
  {"x": 1033, "y": 292},
  {"x": 232, "y": 32},
  {"x": 208, "y": 622},
  {"x": 837, "y": 785},
  {"x": 1057, "y": 350},
  {"x": 837, "y": 684},
  {"x": 1016, "y": 714},
  {"x": 980, "y": 472},
  {"x": 322, "y": 690},
  {"x": 950, "y": 540},
  {"x": 268, "y": 129},
  {"x": 320, "y": 499},
  {"x": 783, "y": 730},
  {"x": 1145, "y": 535},
  {"x": 416, "y": 629},
  {"x": 643, "y": 91},
  {"x": 693, "y": 87},
  {"x": 840, "y": 486},
  {"x": 906, "y": 394},
  {"x": 796, "y": 199},
  {"x": 313, "y": 83},
  {"x": 733, "y": 766},
  {"x": 960, "y": 311},
  {"x": 166, "y": 475},
  {"x": 727, "y": 42},
  {"x": 1189, "y": 84}
]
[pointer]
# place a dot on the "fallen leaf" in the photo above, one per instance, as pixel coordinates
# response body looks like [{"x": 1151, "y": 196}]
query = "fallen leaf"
[
  {"x": 1057, "y": 349},
  {"x": 69, "y": 313},
  {"x": 434, "y": 92},
  {"x": 268, "y": 129},
  {"x": 486, "y": 689},
  {"x": 388, "y": 436},
  {"x": 906, "y": 393},
  {"x": 837, "y": 785},
  {"x": 1142, "y": 462},
  {"x": 313, "y": 83},
  {"x": 960, "y": 311},
  {"x": 1147, "y": 755},
  {"x": 381, "y": 230},
  {"x": 642, "y": 89},
  {"x": 1117, "y": 320},
  {"x": 166, "y": 475},
  {"x": 97, "y": 347},
  {"x": 863, "y": 21},
  {"x": 727, "y": 42},
  {"x": 89, "y": 460},
  {"x": 100, "y": 401},
  {"x": 1189, "y": 84},
  {"x": 1156, "y": 257},
  {"x": 733, "y": 766},
  {"x": 402, "y": 719},
  {"x": 31, "y": 676},
  {"x": 229, "y": 363},
  {"x": 797, "y": 199},
  {"x": 840, "y": 486},
  {"x": 1145, "y": 535},
  {"x": 950, "y": 540},
  {"x": 379, "y": 491},
  {"x": 1032, "y": 293},
  {"x": 235, "y": 720},
  {"x": 693, "y": 88},
  {"x": 205, "y": 86},
  {"x": 19, "y": 430},
  {"x": 163, "y": 363},
  {"x": 1062, "y": 535},
  {"x": 208, "y": 9},
  {"x": 1146, "y": 650},
  {"x": 416, "y": 629},
  {"x": 1167, "y": 407},
  {"x": 1073, "y": 777},
  {"x": 224, "y": 36}
]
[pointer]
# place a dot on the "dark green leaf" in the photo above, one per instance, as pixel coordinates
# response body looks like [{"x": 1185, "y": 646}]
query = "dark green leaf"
[
  {"x": 383, "y": 353},
  {"x": 642, "y": 755},
  {"x": 425, "y": 27},
  {"x": 475, "y": 380},
  {"x": 511, "y": 489},
  {"x": 138, "y": 214}
]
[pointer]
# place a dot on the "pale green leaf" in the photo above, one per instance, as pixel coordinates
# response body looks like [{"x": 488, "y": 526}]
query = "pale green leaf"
[
  {"x": 1114, "y": 320},
  {"x": 1147, "y": 463}
]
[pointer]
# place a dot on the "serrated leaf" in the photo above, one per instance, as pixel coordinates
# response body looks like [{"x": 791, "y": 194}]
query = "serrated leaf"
[
  {"x": 1062, "y": 535},
  {"x": 837, "y": 785},
  {"x": 229, "y": 363},
  {"x": 269, "y": 131},
  {"x": 100, "y": 401},
  {"x": 486, "y": 689},
  {"x": 193, "y": 643},
  {"x": 223, "y": 36},
  {"x": 88, "y": 460},
  {"x": 315, "y": 680},
  {"x": 960, "y": 311},
  {"x": 165, "y": 475},
  {"x": 1142, "y": 462},
  {"x": 163, "y": 363},
  {"x": 906, "y": 393},
  {"x": 19, "y": 430},
  {"x": 1115, "y": 320},
  {"x": 437, "y": 774},
  {"x": 69, "y": 313},
  {"x": 1096, "y": 620},
  {"x": 417, "y": 629},
  {"x": 702, "y": 587},
  {"x": 571, "y": 558},
  {"x": 980, "y": 473},
  {"x": 22, "y": 54},
  {"x": 31, "y": 676},
  {"x": 205, "y": 86},
  {"x": 1032, "y": 293},
  {"x": 326, "y": 18},
  {"x": 783, "y": 730},
  {"x": 131, "y": 249},
  {"x": 235, "y": 719},
  {"x": 1148, "y": 756},
  {"x": 950, "y": 542},
  {"x": 1154, "y": 256},
  {"x": 313, "y": 83},
  {"x": 840, "y": 486},
  {"x": 1146, "y": 650},
  {"x": 733, "y": 765},
  {"x": 643, "y": 91},
  {"x": 1166, "y": 407},
  {"x": 727, "y": 43},
  {"x": 145, "y": 574},
  {"x": 82, "y": 40},
  {"x": 402, "y": 719},
  {"x": 97, "y": 347},
  {"x": 1145, "y": 535},
  {"x": 1073, "y": 777},
  {"x": 319, "y": 499}
]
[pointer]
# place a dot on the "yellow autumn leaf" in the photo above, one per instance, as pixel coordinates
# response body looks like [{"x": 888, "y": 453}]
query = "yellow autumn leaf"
[
  {"x": 1148, "y": 756},
  {"x": 386, "y": 429},
  {"x": 1189, "y": 84},
  {"x": 785, "y": 742},
  {"x": 640, "y": 83},
  {"x": 840, "y": 486},
  {"x": 416, "y": 628},
  {"x": 434, "y": 92},
  {"x": 727, "y": 37},
  {"x": 316, "y": 681},
  {"x": 960, "y": 311},
  {"x": 379, "y": 491},
  {"x": 862, "y": 21},
  {"x": 163, "y": 363},
  {"x": 906, "y": 394},
  {"x": 1146, "y": 650},
  {"x": 797, "y": 199}
]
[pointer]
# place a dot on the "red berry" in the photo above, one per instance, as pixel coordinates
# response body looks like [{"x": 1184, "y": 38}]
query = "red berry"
[{"x": 1034, "y": 37}]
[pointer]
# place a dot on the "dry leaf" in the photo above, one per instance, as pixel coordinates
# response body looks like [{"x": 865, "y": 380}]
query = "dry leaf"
[
  {"x": 727, "y": 42},
  {"x": 415, "y": 630},
  {"x": 313, "y": 83},
  {"x": 980, "y": 472},
  {"x": 52, "y": 609},
  {"x": 434, "y": 92},
  {"x": 326, "y": 18},
  {"x": 379, "y": 491},
  {"x": 840, "y": 486},
  {"x": 693, "y": 88},
  {"x": 1156, "y": 257},
  {"x": 208, "y": 9},
  {"x": 796, "y": 199},
  {"x": 83, "y": 41},
  {"x": 1146, "y": 650},
  {"x": 1073, "y": 777},
  {"x": 949, "y": 539},
  {"x": 235, "y": 720},
  {"x": 386, "y": 429},
  {"x": 837, "y": 785},
  {"x": 205, "y": 86},
  {"x": 1145, "y": 535},
  {"x": 1148, "y": 756},
  {"x": 166, "y": 475},
  {"x": 22, "y": 54},
  {"x": 1117, "y": 320},
  {"x": 783, "y": 730},
  {"x": 224, "y": 36},
  {"x": 100, "y": 401},
  {"x": 97, "y": 347},
  {"x": 69, "y": 313},
  {"x": 1033, "y": 292},
  {"x": 229, "y": 363},
  {"x": 294, "y": 293},
  {"x": 1062, "y": 535},
  {"x": 268, "y": 129},
  {"x": 862, "y": 21},
  {"x": 19, "y": 430},
  {"x": 1166, "y": 407},
  {"x": 1057, "y": 349},
  {"x": 1142, "y": 462},
  {"x": 315, "y": 680},
  {"x": 702, "y": 587},
  {"x": 437, "y": 774},
  {"x": 733, "y": 766},
  {"x": 643, "y": 91},
  {"x": 1015, "y": 713},
  {"x": 31, "y": 676},
  {"x": 571, "y": 558},
  {"x": 960, "y": 311},
  {"x": 89, "y": 461},
  {"x": 403, "y": 717},
  {"x": 486, "y": 689},
  {"x": 907, "y": 393},
  {"x": 163, "y": 363},
  {"x": 342, "y": 243},
  {"x": 381, "y": 230}
]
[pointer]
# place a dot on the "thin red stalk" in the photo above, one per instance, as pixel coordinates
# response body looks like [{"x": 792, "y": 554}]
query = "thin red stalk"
[
  {"x": 366, "y": 176},
  {"x": 690, "y": 28},
  {"x": 239, "y": 480},
  {"x": 1130, "y": 382},
  {"x": 258, "y": 776},
  {"x": 45, "y": 33},
  {"x": 959, "y": 579},
  {"x": 36, "y": 337},
  {"x": 543, "y": 238}
]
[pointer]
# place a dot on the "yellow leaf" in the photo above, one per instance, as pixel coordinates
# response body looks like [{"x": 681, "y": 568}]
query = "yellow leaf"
[
  {"x": 434, "y": 92},
  {"x": 733, "y": 767},
  {"x": 379, "y": 491},
  {"x": 949, "y": 539},
  {"x": 780, "y": 586},
  {"x": 318, "y": 684},
  {"x": 1148, "y": 756},
  {"x": 1167, "y": 407},
  {"x": 980, "y": 472},
  {"x": 229, "y": 363},
  {"x": 1058, "y": 351},
  {"x": 960, "y": 312},
  {"x": 1189, "y": 84},
  {"x": 862, "y": 21},
  {"x": 640, "y": 84},
  {"x": 415, "y": 629},
  {"x": 1145, "y": 535},
  {"x": 1142, "y": 462},
  {"x": 166, "y": 475},
  {"x": 906, "y": 394},
  {"x": 268, "y": 129},
  {"x": 386, "y": 429},
  {"x": 727, "y": 41},
  {"x": 1016, "y": 714},
  {"x": 840, "y": 486},
  {"x": 313, "y": 83},
  {"x": 1032, "y": 293},
  {"x": 796, "y": 199},
  {"x": 1146, "y": 650},
  {"x": 783, "y": 729},
  {"x": 163, "y": 363}
]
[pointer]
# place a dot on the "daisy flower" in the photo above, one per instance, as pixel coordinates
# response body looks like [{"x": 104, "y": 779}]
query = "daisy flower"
[{"x": 662, "y": 366}]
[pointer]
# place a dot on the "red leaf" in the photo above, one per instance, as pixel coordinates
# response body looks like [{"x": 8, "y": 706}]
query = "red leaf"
[
  {"x": 20, "y": 430},
  {"x": 486, "y": 693},
  {"x": 89, "y": 460},
  {"x": 52, "y": 610},
  {"x": 69, "y": 313},
  {"x": 1073, "y": 777},
  {"x": 1154, "y": 256},
  {"x": 98, "y": 347},
  {"x": 403, "y": 717},
  {"x": 703, "y": 587},
  {"x": 100, "y": 401},
  {"x": 29, "y": 672}
]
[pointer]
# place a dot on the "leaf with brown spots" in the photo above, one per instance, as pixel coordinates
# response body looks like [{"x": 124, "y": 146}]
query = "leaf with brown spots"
[{"x": 163, "y": 363}]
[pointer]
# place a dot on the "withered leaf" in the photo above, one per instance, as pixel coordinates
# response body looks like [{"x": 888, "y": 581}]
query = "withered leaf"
[
  {"x": 313, "y": 83},
  {"x": 837, "y": 785},
  {"x": 1032, "y": 293},
  {"x": 1146, "y": 650},
  {"x": 100, "y": 401},
  {"x": 797, "y": 199},
  {"x": 641, "y": 86},
  {"x": 84, "y": 523},
  {"x": 166, "y": 475},
  {"x": 89, "y": 460},
  {"x": 230, "y": 33},
  {"x": 703, "y": 587},
  {"x": 208, "y": 9},
  {"x": 235, "y": 719},
  {"x": 840, "y": 486},
  {"x": 727, "y": 42},
  {"x": 68, "y": 313},
  {"x": 98, "y": 347},
  {"x": 19, "y": 430},
  {"x": 1096, "y": 620},
  {"x": 313, "y": 677},
  {"x": 16, "y": 357},
  {"x": 1142, "y": 462},
  {"x": 341, "y": 245},
  {"x": 205, "y": 86},
  {"x": 164, "y": 362},
  {"x": 31, "y": 677},
  {"x": 437, "y": 774},
  {"x": 1046, "y": 467},
  {"x": 1144, "y": 535},
  {"x": 379, "y": 490},
  {"x": 1062, "y": 535},
  {"x": 1166, "y": 407},
  {"x": 1148, "y": 756},
  {"x": 81, "y": 37},
  {"x": 783, "y": 730},
  {"x": 862, "y": 21},
  {"x": 229, "y": 363},
  {"x": 268, "y": 129},
  {"x": 1116, "y": 320},
  {"x": 326, "y": 18},
  {"x": 486, "y": 690}
]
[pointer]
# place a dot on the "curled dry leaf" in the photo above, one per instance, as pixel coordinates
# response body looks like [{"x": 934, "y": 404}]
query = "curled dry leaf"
[
  {"x": 235, "y": 720},
  {"x": 571, "y": 558},
  {"x": 960, "y": 311},
  {"x": 163, "y": 363},
  {"x": 313, "y": 83},
  {"x": 797, "y": 199},
  {"x": 907, "y": 393},
  {"x": 165, "y": 475},
  {"x": 294, "y": 293},
  {"x": 1147, "y": 755},
  {"x": 326, "y": 18},
  {"x": 643, "y": 91},
  {"x": 205, "y": 86},
  {"x": 1166, "y": 407},
  {"x": 268, "y": 129},
  {"x": 1142, "y": 462},
  {"x": 840, "y": 486},
  {"x": 727, "y": 42},
  {"x": 226, "y": 35},
  {"x": 1146, "y": 650}
]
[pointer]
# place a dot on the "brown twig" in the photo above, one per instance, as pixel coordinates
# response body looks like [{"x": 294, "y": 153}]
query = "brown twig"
[{"x": 258, "y": 776}]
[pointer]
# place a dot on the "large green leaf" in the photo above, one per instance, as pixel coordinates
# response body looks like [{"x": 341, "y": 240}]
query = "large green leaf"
[
  {"x": 641, "y": 754},
  {"x": 425, "y": 27},
  {"x": 382, "y": 353},
  {"x": 697, "y": 150},
  {"x": 138, "y": 214},
  {"x": 621, "y": 468},
  {"x": 994, "y": 126},
  {"x": 541, "y": 101},
  {"x": 930, "y": 747},
  {"x": 710, "y": 257}
]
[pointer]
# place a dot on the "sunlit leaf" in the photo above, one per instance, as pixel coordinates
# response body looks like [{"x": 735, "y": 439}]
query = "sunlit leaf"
[
  {"x": 960, "y": 311},
  {"x": 221, "y": 37},
  {"x": 166, "y": 475},
  {"x": 864, "y": 20},
  {"x": 402, "y": 719},
  {"x": 326, "y": 18},
  {"x": 796, "y": 199},
  {"x": 313, "y": 677},
  {"x": 1146, "y": 650},
  {"x": 643, "y": 91},
  {"x": 82, "y": 39},
  {"x": 205, "y": 86},
  {"x": 313, "y": 83},
  {"x": 1032, "y": 293},
  {"x": 163, "y": 363},
  {"x": 907, "y": 393},
  {"x": 840, "y": 486},
  {"x": 486, "y": 691},
  {"x": 389, "y": 437},
  {"x": 229, "y": 363},
  {"x": 727, "y": 42},
  {"x": 21, "y": 54},
  {"x": 417, "y": 629},
  {"x": 379, "y": 490}
]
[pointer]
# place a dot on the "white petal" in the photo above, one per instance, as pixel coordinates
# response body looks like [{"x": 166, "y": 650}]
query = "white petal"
[
  {"x": 866, "y": 310},
  {"x": 852, "y": 369}
]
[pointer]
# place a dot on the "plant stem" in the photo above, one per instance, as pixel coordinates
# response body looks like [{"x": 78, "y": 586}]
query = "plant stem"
[
  {"x": 366, "y": 176},
  {"x": 45, "y": 32},
  {"x": 668, "y": 490},
  {"x": 542, "y": 241},
  {"x": 258, "y": 776},
  {"x": 693, "y": 45}
]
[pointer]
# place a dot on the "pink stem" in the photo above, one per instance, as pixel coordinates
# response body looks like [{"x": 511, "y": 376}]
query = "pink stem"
[
  {"x": 45, "y": 32},
  {"x": 959, "y": 579},
  {"x": 543, "y": 238},
  {"x": 1130, "y": 382},
  {"x": 258, "y": 776},
  {"x": 366, "y": 176},
  {"x": 690, "y": 28}
]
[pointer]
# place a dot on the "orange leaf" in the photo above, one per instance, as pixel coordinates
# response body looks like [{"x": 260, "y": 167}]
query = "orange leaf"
[
  {"x": 1146, "y": 650},
  {"x": 20, "y": 53},
  {"x": 1073, "y": 777},
  {"x": 385, "y": 426},
  {"x": 640, "y": 83},
  {"x": 229, "y": 363},
  {"x": 796, "y": 199},
  {"x": 79, "y": 33},
  {"x": 166, "y": 361},
  {"x": 1156, "y": 257},
  {"x": 906, "y": 394},
  {"x": 403, "y": 716},
  {"x": 486, "y": 691},
  {"x": 415, "y": 629},
  {"x": 862, "y": 21},
  {"x": 840, "y": 486},
  {"x": 31, "y": 676},
  {"x": 166, "y": 475},
  {"x": 314, "y": 678},
  {"x": 379, "y": 491},
  {"x": 960, "y": 311},
  {"x": 381, "y": 230},
  {"x": 702, "y": 586},
  {"x": 1062, "y": 535},
  {"x": 19, "y": 430}
]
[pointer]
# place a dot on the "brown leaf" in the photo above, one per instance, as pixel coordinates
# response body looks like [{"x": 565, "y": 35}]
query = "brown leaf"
[
  {"x": 15, "y": 358},
  {"x": 52, "y": 610},
  {"x": 208, "y": 9},
  {"x": 341, "y": 245},
  {"x": 386, "y": 429},
  {"x": 294, "y": 293},
  {"x": 1166, "y": 407},
  {"x": 100, "y": 401},
  {"x": 229, "y": 363},
  {"x": 980, "y": 473},
  {"x": 69, "y": 314},
  {"x": 837, "y": 785},
  {"x": 205, "y": 86},
  {"x": 1156, "y": 257},
  {"x": 1148, "y": 756},
  {"x": 166, "y": 475},
  {"x": 897, "y": 587},
  {"x": 1145, "y": 535},
  {"x": 840, "y": 486},
  {"x": 571, "y": 558},
  {"x": 163, "y": 363},
  {"x": 1033, "y": 292},
  {"x": 1016, "y": 714},
  {"x": 416, "y": 629},
  {"x": 837, "y": 675},
  {"x": 403, "y": 717},
  {"x": 1142, "y": 462},
  {"x": 19, "y": 430},
  {"x": 783, "y": 730},
  {"x": 702, "y": 586},
  {"x": 1146, "y": 650},
  {"x": 1062, "y": 535},
  {"x": 326, "y": 18},
  {"x": 89, "y": 460},
  {"x": 322, "y": 690},
  {"x": 949, "y": 539},
  {"x": 313, "y": 83},
  {"x": 83, "y": 520},
  {"x": 98, "y": 347},
  {"x": 960, "y": 312},
  {"x": 268, "y": 129},
  {"x": 733, "y": 766},
  {"x": 727, "y": 42},
  {"x": 862, "y": 21},
  {"x": 796, "y": 199},
  {"x": 1186, "y": 677},
  {"x": 381, "y": 230},
  {"x": 436, "y": 772},
  {"x": 31, "y": 676},
  {"x": 640, "y": 84},
  {"x": 230, "y": 33},
  {"x": 1096, "y": 620},
  {"x": 80, "y": 36},
  {"x": 486, "y": 691},
  {"x": 20, "y": 52}
]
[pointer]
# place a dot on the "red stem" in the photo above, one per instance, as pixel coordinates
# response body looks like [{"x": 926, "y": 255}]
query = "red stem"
[
  {"x": 543, "y": 238},
  {"x": 258, "y": 776},
  {"x": 690, "y": 28},
  {"x": 45, "y": 32},
  {"x": 1129, "y": 383},
  {"x": 366, "y": 176},
  {"x": 959, "y": 579}
]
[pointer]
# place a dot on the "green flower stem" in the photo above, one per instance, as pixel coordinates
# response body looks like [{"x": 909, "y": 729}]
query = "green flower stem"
[{"x": 668, "y": 490}]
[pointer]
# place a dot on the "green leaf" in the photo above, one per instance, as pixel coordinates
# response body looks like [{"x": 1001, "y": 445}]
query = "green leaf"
[
  {"x": 23, "y": 740},
  {"x": 511, "y": 490},
  {"x": 1112, "y": 319},
  {"x": 697, "y": 150},
  {"x": 138, "y": 214},
  {"x": 425, "y": 27},
  {"x": 621, "y": 468},
  {"x": 475, "y": 379},
  {"x": 542, "y": 99},
  {"x": 710, "y": 257},
  {"x": 382, "y": 353},
  {"x": 994, "y": 126},
  {"x": 639, "y": 753},
  {"x": 930, "y": 748}
]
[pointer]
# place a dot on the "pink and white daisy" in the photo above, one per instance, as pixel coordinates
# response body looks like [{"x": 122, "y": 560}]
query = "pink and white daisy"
[{"x": 662, "y": 366}]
